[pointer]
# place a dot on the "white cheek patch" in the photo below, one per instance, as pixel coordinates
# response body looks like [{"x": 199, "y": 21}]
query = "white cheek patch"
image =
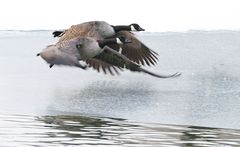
[
  {"x": 120, "y": 50},
  {"x": 119, "y": 41},
  {"x": 132, "y": 28}
]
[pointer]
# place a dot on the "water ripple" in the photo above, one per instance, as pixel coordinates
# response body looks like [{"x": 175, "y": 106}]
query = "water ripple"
[{"x": 64, "y": 130}]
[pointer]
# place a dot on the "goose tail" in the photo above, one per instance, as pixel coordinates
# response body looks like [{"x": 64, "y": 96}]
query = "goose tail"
[{"x": 57, "y": 33}]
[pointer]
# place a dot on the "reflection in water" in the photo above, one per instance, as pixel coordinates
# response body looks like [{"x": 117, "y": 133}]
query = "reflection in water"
[
  {"x": 21, "y": 130},
  {"x": 203, "y": 100},
  {"x": 108, "y": 98}
]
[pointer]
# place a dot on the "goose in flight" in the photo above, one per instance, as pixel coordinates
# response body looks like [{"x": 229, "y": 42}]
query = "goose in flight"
[
  {"x": 95, "y": 29},
  {"x": 136, "y": 51},
  {"x": 69, "y": 53}
]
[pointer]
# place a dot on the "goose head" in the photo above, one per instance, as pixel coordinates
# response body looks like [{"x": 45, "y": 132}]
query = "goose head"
[
  {"x": 136, "y": 27},
  {"x": 122, "y": 40}
]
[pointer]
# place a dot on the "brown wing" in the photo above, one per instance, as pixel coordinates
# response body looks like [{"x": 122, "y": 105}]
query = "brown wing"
[
  {"x": 108, "y": 61},
  {"x": 121, "y": 60},
  {"x": 85, "y": 29},
  {"x": 136, "y": 51},
  {"x": 100, "y": 64},
  {"x": 111, "y": 59}
]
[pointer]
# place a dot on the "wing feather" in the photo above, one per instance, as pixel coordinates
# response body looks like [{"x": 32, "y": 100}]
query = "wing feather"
[
  {"x": 98, "y": 64},
  {"x": 136, "y": 51}
]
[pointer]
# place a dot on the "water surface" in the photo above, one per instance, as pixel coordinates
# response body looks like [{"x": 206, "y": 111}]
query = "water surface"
[
  {"x": 68, "y": 106},
  {"x": 71, "y": 130}
]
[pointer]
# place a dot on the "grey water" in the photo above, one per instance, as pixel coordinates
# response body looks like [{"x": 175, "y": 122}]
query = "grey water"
[{"x": 65, "y": 106}]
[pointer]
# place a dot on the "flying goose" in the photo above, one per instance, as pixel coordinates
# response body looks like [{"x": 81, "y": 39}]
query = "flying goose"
[
  {"x": 95, "y": 29},
  {"x": 99, "y": 30},
  {"x": 69, "y": 53}
]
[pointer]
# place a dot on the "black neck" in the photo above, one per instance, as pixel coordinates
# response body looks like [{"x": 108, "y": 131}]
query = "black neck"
[
  {"x": 121, "y": 28},
  {"x": 104, "y": 42}
]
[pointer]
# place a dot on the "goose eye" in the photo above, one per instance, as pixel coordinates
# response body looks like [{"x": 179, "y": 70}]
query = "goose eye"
[
  {"x": 121, "y": 38},
  {"x": 78, "y": 46}
]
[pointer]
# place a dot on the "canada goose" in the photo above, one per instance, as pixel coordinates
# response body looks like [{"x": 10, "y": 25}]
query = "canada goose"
[
  {"x": 96, "y": 29},
  {"x": 135, "y": 51},
  {"x": 69, "y": 52}
]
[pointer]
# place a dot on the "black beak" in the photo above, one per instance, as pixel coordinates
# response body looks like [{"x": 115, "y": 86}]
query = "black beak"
[
  {"x": 141, "y": 29},
  {"x": 38, "y": 54}
]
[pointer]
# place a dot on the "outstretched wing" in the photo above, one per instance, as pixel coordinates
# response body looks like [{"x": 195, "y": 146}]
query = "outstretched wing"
[
  {"x": 136, "y": 50},
  {"x": 119, "y": 60},
  {"x": 110, "y": 60}
]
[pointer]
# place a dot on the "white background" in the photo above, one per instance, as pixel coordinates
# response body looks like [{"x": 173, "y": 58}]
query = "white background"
[{"x": 153, "y": 15}]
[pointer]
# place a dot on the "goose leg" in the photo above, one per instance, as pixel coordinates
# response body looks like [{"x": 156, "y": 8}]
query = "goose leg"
[
  {"x": 135, "y": 67},
  {"x": 80, "y": 66}
]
